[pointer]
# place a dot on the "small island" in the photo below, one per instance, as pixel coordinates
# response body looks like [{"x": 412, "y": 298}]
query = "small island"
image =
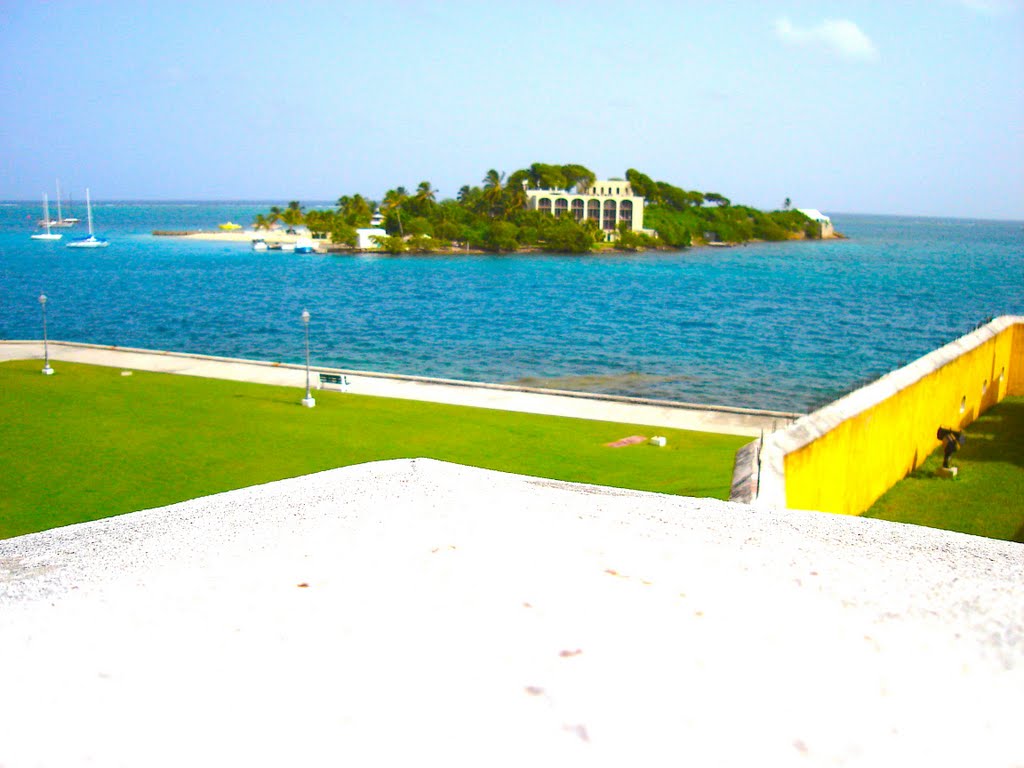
[{"x": 554, "y": 208}]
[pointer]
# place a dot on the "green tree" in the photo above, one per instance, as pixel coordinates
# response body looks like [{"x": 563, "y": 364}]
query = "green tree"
[
  {"x": 356, "y": 210},
  {"x": 578, "y": 177},
  {"x": 566, "y": 236},
  {"x": 343, "y": 233},
  {"x": 544, "y": 176},
  {"x": 320, "y": 223},
  {"x": 425, "y": 193},
  {"x": 292, "y": 215},
  {"x": 629, "y": 240},
  {"x": 514, "y": 199},
  {"x": 493, "y": 191},
  {"x": 393, "y": 201},
  {"x": 422, "y": 244},
  {"x": 390, "y": 244},
  {"x": 501, "y": 236},
  {"x": 420, "y": 225},
  {"x": 447, "y": 230},
  {"x": 643, "y": 185}
]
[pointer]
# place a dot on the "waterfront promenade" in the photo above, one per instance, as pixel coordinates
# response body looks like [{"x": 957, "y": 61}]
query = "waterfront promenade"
[{"x": 655, "y": 413}]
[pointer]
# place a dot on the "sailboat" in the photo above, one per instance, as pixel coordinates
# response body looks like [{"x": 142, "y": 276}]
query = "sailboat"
[
  {"x": 61, "y": 221},
  {"x": 91, "y": 241},
  {"x": 48, "y": 235}
]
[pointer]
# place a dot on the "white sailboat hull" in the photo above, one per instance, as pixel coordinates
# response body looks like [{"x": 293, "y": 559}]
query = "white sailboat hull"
[{"x": 89, "y": 242}]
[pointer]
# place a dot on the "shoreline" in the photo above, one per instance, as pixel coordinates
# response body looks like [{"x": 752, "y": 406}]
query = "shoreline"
[{"x": 325, "y": 246}]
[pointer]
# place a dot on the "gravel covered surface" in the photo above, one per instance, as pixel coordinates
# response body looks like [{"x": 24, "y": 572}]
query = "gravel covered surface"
[{"x": 415, "y": 612}]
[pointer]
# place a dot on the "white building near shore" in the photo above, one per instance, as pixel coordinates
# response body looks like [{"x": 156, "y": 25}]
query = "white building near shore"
[
  {"x": 609, "y": 202},
  {"x": 826, "y": 230},
  {"x": 364, "y": 238}
]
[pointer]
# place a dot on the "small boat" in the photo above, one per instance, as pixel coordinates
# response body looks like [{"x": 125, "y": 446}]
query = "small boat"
[
  {"x": 304, "y": 245},
  {"x": 91, "y": 241},
  {"x": 259, "y": 244},
  {"x": 229, "y": 226},
  {"x": 287, "y": 246},
  {"x": 47, "y": 235}
]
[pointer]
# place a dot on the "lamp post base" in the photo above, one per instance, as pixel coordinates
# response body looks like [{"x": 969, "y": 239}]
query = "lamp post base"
[
  {"x": 48, "y": 371},
  {"x": 308, "y": 402}
]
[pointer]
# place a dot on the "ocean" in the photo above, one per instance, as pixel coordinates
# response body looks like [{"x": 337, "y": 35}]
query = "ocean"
[{"x": 787, "y": 326}]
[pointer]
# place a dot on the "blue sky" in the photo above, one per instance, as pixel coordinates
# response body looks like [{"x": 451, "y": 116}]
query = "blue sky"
[{"x": 859, "y": 107}]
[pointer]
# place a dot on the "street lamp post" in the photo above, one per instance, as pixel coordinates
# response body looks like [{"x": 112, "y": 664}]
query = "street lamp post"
[
  {"x": 308, "y": 400},
  {"x": 46, "y": 346}
]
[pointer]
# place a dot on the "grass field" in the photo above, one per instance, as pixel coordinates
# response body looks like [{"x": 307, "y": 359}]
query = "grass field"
[
  {"x": 89, "y": 442},
  {"x": 987, "y": 496}
]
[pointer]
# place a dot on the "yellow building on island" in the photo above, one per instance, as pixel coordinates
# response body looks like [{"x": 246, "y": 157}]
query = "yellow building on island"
[{"x": 609, "y": 202}]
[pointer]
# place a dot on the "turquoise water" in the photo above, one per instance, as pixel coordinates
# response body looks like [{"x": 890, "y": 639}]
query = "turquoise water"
[{"x": 785, "y": 326}]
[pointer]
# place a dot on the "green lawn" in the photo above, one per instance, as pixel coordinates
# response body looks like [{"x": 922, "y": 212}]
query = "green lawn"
[
  {"x": 89, "y": 442},
  {"x": 987, "y": 496}
]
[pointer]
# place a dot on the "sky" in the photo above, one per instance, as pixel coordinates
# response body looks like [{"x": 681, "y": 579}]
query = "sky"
[{"x": 905, "y": 108}]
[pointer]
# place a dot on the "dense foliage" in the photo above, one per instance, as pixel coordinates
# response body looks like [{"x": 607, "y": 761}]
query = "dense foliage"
[{"x": 493, "y": 216}]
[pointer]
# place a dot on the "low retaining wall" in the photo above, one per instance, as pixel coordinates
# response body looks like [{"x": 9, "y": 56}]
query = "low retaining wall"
[{"x": 842, "y": 457}]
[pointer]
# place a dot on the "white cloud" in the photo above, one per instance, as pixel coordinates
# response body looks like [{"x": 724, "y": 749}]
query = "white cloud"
[{"x": 837, "y": 36}]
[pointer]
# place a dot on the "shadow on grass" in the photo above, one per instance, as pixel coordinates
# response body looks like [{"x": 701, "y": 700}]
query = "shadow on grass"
[
  {"x": 998, "y": 435},
  {"x": 984, "y": 498}
]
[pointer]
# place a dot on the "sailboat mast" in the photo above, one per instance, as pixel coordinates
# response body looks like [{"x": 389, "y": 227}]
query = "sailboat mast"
[
  {"x": 60, "y": 216},
  {"x": 46, "y": 212},
  {"x": 88, "y": 208}
]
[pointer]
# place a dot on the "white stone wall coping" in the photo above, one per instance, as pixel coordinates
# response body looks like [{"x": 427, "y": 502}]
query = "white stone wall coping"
[{"x": 412, "y": 612}]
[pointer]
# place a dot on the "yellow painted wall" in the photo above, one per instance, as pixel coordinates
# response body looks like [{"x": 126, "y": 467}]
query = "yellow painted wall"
[
  {"x": 849, "y": 467},
  {"x": 1016, "y": 369}
]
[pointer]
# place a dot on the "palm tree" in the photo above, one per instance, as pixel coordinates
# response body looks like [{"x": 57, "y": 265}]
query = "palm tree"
[
  {"x": 261, "y": 222},
  {"x": 275, "y": 216},
  {"x": 358, "y": 211},
  {"x": 393, "y": 200},
  {"x": 493, "y": 179},
  {"x": 492, "y": 189},
  {"x": 424, "y": 193},
  {"x": 515, "y": 198},
  {"x": 292, "y": 215}
]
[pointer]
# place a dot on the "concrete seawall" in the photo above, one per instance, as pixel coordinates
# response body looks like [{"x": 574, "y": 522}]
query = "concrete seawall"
[{"x": 628, "y": 410}]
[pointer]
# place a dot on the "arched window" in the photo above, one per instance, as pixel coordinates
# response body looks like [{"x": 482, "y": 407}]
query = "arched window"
[
  {"x": 626, "y": 212},
  {"x": 594, "y": 210},
  {"x": 609, "y": 214},
  {"x": 544, "y": 204},
  {"x": 577, "y": 209},
  {"x": 561, "y": 206}
]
